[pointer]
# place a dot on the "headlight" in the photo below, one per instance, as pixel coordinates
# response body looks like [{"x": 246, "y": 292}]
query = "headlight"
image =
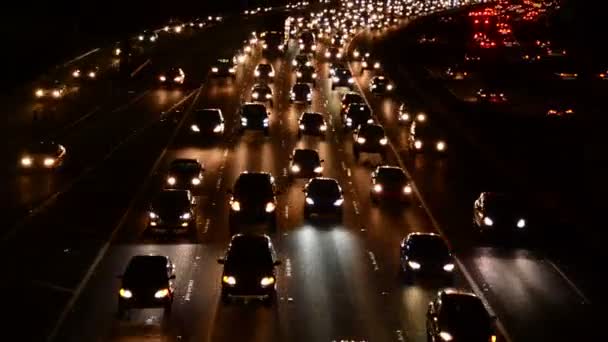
[
  {"x": 268, "y": 96},
  {"x": 449, "y": 267},
  {"x": 376, "y": 65},
  {"x": 256, "y": 73},
  {"x": 247, "y": 48},
  {"x": 364, "y": 64},
  {"x": 265, "y": 46},
  {"x": 488, "y": 221},
  {"x": 265, "y": 122},
  {"x": 218, "y": 128},
  {"x": 270, "y": 207},
  {"x": 310, "y": 201},
  {"x": 339, "y": 202},
  {"x": 313, "y": 47},
  {"x": 308, "y": 63},
  {"x": 124, "y": 293},
  {"x": 267, "y": 281},
  {"x": 323, "y": 128},
  {"x": 361, "y": 140},
  {"x": 327, "y": 55},
  {"x": 26, "y": 161},
  {"x": 421, "y": 117},
  {"x": 152, "y": 215},
  {"x": 76, "y": 73},
  {"x": 92, "y": 74},
  {"x": 294, "y": 63},
  {"x": 39, "y": 92},
  {"x": 162, "y": 78},
  {"x": 407, "y": 189},
  {"x": 295, "y": 168},
  {"x": 244, "y": 121},
  {"x": 377, "y": 187},
  {"x": 56, "y": 93},
  {"x": 230, "y": 280},
  {"x": 356, "y": 54},
  {"x": 521, "y": 223},
  {"x": 298, "y": 74},
  {"x": 441, "y": 146},
  {"x": 186, "y": 216},
  {"x": 351, "y": 80},
  {"x": 418, "y": 144},
  {"x": 196, "y": 181},
  {"x": 171, "y": 180},
  {"x": 404, "y": 117},
  {"x": 255, "y": 95},
  {"x": 314, "y": 75},
  {"x": 301, "y": 46},
  {"x": 318, "y": 169},
  {"x": 49, "y": 161},
  {"x": 152, "y": 39},
  {"x": 336, "y": 79},
  {"x": 338, "y": 55},
  {"x": 241, "y": 58},
  {"x": 117, "y": 52},
  {"x": 308, "y": 95},
  {"x": 161, "y": 293},
  {"x": 389, "y": 87},
  {"x": 214, "y": 69},
  {"x": 178, "y": 79},
  {"x": 195, "y": 128},
  {"x": 414, "y": 265},
  {"x": 445, "y": 336},
  {"x": 235, "y": 206},
  {"x": 383, "y": 141}
]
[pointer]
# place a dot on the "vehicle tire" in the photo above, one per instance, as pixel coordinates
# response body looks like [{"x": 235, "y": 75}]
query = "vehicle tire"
[{"x": 333, "y": 87}]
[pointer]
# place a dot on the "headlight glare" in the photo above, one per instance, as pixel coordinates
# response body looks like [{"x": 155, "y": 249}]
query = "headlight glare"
[
  {"x": 270, "y": 207},
  {"x": 414, "y": 265},
  {"x": 161, "y": 293}
]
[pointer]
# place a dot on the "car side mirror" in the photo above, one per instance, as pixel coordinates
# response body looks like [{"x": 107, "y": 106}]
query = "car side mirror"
[
  {"x": 221, "y": 261},
  {"x": 172, "y": 276},
  {"x": 277, "y": 263}
]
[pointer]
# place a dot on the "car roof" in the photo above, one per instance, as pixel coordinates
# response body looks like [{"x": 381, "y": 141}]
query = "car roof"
[
  {"x": 148, "y": 263},
  {"x": 185, "y": 161},
  {"x": 324, "y": 181},
  {"x": 250, "y": 241}
]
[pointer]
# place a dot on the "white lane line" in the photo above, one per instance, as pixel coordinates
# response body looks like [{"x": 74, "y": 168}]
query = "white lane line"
[
  {"x": 570, "y": 282},
  {"x": 53, "y": 287},
  {"x": 348, "y": 172},
  {"x": 372, "y": 257},
  {"x": 189, "y": 288},
  {"x": 179, "y": 103},
  {"x": 219, "y": 183},
  {"x": 80, "y": 57},
  {"x": 102, "y": 252},
  {"x": 434, "y": 222},
  {"x": 81, "y": 119},
  {"x": 207, "y": 224},
  {"x": 133, "y": 101},
  {"x": 284, "y": 172},
  {"x": 139, "y": 68},
  {"x": 225, "y": 153},
  {"x": 343, "y": 165},
  {"x": 356, "y": 207},
  {"x": 286, "y": 212},
  {"x": 400, "y": 336}
]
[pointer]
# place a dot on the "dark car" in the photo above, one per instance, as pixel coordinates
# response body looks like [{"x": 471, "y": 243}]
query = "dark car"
[
  {"x": 172, "y": 209},
  {"x": 367, "y": 63},
  {"x": 224, "y": 67},
  {"x": 307, "y": 42},
  {"x": 184, "y": 174},
  {"x": 86, "y": 72},
  {"x": 301, "y": 60},
  {"x": 312, "y": 123},
  {"x": 499, "y": 212},
  {"x": 264, "y": 71},
  {"x": 249, "y": 269},
  {"x": 336, "y": 66},
  {"x": 490, "y": 96},
  {"x": 459, "y": 316},
  {"x": 305, "y": 163},
  {"x": 301, "y": 93},
  {"x": 457, "y": 72},
  {"x": 342, "y": 78},
  {"x": 208, "y": 122},
  {"x": 147, "y": 36},
  {"x": 370, "y": 138},
  {"x": 390, "y": 183},
  {"x": 306, "y": 74},
  {"x": 50, "y": 89},
  {"x": 254, "y": 116},
  {"x": 357, "y": 114},
  {"x": 261, "y": 93},
  {"x": 273, "y": 42},
  {"x": 147, "y": 283},
  {"x": 348, "y": 98},
  {"x": 253, "y": 199},
  {"x": 43, "y": 155},
  {"x": 334, "y": 53},
  {"x": 425, "y": 254},
  {"x": 172, "y": 76},
  {"x": 323, "y": 196},
  {"x": 424, "y": 137},
  {"x": 405, "y": 117},
  {"x": 379, "y": 85}
]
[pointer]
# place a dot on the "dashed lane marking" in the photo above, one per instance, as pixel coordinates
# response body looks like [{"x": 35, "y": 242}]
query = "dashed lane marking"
[
  {"x": 189, "y": 288},
  {"x": 288, "y": 268},
  {"x": 372, "y": 257},
  {"x": 207, "y": 224}
]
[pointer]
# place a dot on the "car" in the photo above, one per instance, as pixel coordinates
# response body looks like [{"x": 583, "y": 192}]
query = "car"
[
  {"x": 147, "y": 282},
  {"x": 379, "y": 85},
  {"x": 172, "y": 209},
  {"x": 305, "y": 163},
  {"x": 405, "y": 117},
  {"x": 223, "y": 67},
  {"x": 302, "y": 59},
  {"x": 86, "y": 72},
  {"x": 43, "y": 155},
  {"x": 560, "y": 111},
  {"x": 264, "y": 71},
  {"x": 254, "y": 116},
  {"x": 356, "y": 114},
  {"x": 253, "y": 199},
  {"x": 184, "y": 173},
  {"x": 172, "y": 76},
  {"x": 50, "y": 89},
  {"x": 333, "y": 66},
  {"x": 456, "y": 315},
  {"x": 174, "y": 26},
  {"x": 369, "y": 64},
  {"x": 273, "y": 42},
  {"x": 425, "y": 254},
  {"x": 301, "y": 93},
  {"x": 312, "y": 123},
  {"x": 390, "y": 183},
  {"x": 499, "y": 213},
  {"x": 342, "y": 78},
  {"x": 306, "y": 74},
  {"x": 249, "y": 269},
  {"x": 337, "y": 40},
  {"x": 491, "y": 96},
  {"x": 261, "y": 93},
  {"x": 323, "y": 196},
  {"x": 147, "y": 36},
  {"x": 423, "y": 137},
  {"x": 333, "y": 53},
  {"x": 370, "y": 138},
  {"x": 348, "y": 98},
  {"x": 207, "y": 123},
  {"x": 307, "y": 42},
  {"x": 457, "y": 72}
]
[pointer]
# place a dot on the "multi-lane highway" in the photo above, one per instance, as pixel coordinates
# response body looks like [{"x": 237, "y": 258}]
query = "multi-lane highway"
[{"x": 337, "y": 281}]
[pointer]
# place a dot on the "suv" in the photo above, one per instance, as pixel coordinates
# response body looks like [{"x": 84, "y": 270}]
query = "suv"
[
  {"x": 254, "y": 116},
  {"x": 357, "y": 114},
  {"x": 208, "y": 123},
  {"x": 301, "y": 93},
  {"x": 312, "y": 123},
  {"x": 342, "y": 78},
  {"x": 390, "y": 182},
  {"x": 424, "y": 137},
  {"x": 147, "y": 283},
  {"x": 224, "y": 67},
  {"x": 253, "y": 199},
  {"x": 172, "y": 208},
  {"x": 305, "y": 163},
  {"x": 370, "y": 138},
  {"x": 249, "y": 272},
  {"x": 425, "y": 254},
  {"x": 322, "y": 196},
  {"x": 184, "y": 174}
]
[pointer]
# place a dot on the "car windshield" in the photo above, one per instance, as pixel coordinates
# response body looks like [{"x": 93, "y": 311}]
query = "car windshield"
[
  {"x": 261, "y": 89},
  {"x": 146, "y": 269},
  {"x": 323, "y": 188},
  {"x": 391, "y": 175},
  {"x": 306, "y": 155},
  {"x": 301, "y": 88},
  {"x": 312, "y": 118},
  {"x": 428, "y": 246},
  {"x": 342, "y": 73},
  {"x": 496, "y": 201},
  {"x": 207, "y": 115},
  {"x": 43, "y": 147},
  {"x": 223, "y": 61},
  {"x": 301, "y": 59},
  {"x": 265, "y": 68},
  {"x": 254, "y": 110},
  {"x": 423, "y": 130},
  {"x": 466, "y": 309},
  {"x": 184, "y": 166},
  {"x": 172, "y": 199},
  {"x": 379, "y": 81},
  {"x": 353, "y": 98},
  {"x": 250, "y": 253},
  {"x": 372, "y": 131},
  {"x": 254, "y": 184}
]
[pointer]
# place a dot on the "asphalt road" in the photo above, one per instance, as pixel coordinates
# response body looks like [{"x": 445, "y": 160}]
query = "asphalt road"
[{"x": 337, "y": 282}]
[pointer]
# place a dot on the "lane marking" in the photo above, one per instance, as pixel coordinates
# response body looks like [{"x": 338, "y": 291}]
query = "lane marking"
[
  {"x": 284, "y": 172},
  {"x": 356, "y": 207},
  {"x": 570, "y": 282},
  {"x": 288, "y": 268},
  {"x": 189, "y": 288},
  {"x": 348, "y": 172},
  {"x": 139, "y": 68},
  {"x": 400, "y": 336},
  {"x": 225, "y": 153},
  {"x": 53, "y": 287},
  {"x": 75, "y": 123},
  {"x": 372, "y": 257},
  {"x": 343, "y": 165},
  {"x": 286, "y": 212},
  {"x": 219, "y": 183},
  {"x": 133, "y": 101},
  {"x": 207, "y": 224},
  {"x": 80, "y": 57}
]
